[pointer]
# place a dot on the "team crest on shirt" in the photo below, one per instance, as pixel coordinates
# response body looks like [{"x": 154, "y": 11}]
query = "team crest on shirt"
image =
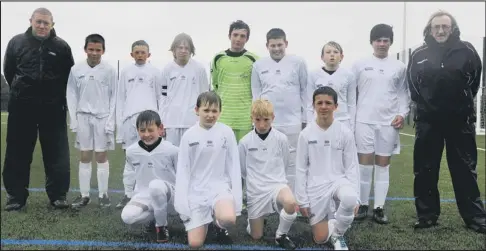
[
  {"x": 91, "y": 77},
  {"x": 277, "y": 72},
  {"x": 183, "y": 77},
  {"x": 382, "y": 71},
  {"x": 209, "y": 143},
  {"x": 150, "y": 165},
  {"x": 327, "y": 142},
  {"x": 193, "y": 80}
]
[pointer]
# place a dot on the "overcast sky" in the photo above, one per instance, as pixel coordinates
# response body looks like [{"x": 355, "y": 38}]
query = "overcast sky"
[{"x": 308, "y": 25}]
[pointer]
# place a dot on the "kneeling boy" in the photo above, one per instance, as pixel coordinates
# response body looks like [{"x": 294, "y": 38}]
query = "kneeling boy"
[
  {"x": 264, "y": 157},
  {"x": 151, "y": 168},
  {"x": 327, "y": 172}
]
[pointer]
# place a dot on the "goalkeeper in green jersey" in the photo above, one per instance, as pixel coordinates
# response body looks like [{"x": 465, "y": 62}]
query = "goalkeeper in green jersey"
[{"x": 230, "y": 79}]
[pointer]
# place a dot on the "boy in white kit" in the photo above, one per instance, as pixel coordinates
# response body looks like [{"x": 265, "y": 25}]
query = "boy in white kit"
[
  {"x": 340, "y": 79},
  {"x": 208, "y": 182},
  {"x": 383, "y": 104},
  {"x": 182, "y": 81},
  {"x": 91, "y": 97},
  {"x": 151, "y": 169},
  {"x": 264, "y": 156},
  {"x": 139, "y": 89},
  {"x": 282, "y": 79},
  {"x": 327, "y": 172}
]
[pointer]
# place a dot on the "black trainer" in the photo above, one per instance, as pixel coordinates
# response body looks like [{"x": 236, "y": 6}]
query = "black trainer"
[
  {"x": 13, "y": 205},
  {"x": 124, "y": 201},
  {"x": 60, "y": 204},
  {"x": 222, "y": 235},
  {"x": 81, "y": 201},
  {"x": 162, "y": 234},
  {"x": 362, "y": 213},
  {"x": 379, "y": 216},
  {"x": 104, "y": 202},
  {"x": 285, "y": 242},
  {"x": 422, "y": 223}
]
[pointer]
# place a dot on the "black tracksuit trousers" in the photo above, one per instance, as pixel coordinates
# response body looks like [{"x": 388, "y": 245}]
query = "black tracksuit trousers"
[
  {"x": 461, "y": 152},
  {"x": 25, "y": 120}
]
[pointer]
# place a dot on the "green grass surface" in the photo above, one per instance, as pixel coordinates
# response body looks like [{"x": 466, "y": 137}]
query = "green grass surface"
[{"x": 54, "y": 229}]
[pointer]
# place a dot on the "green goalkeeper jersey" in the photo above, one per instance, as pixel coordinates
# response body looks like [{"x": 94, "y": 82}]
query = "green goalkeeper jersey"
[{"x": 231, "y": 80}]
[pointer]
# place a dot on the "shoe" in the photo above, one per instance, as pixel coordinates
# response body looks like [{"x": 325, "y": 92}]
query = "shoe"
[
  {"x": 338, "y": 242},
  {"x": 477, "y": 227},
  {"x": 60, "y": 204},
  {"x": 379, "y": 216},
  {"x": 362, "y": 213},
  {"x": 421, "y": 224},
  {"x": 285, "y": 242},
  {"x": 124, "y": 201},
  {"x": 13, "y": 205},
  {"x": 149, "y": 227},
  {"x": 222, "y": 235},
  {"x": 81, "y": 201},
  {"x": 162, "y": 234},
  {"x": 104, "y": 202}
]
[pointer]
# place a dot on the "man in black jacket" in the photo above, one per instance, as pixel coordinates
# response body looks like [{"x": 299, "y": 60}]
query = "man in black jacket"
[
  {"x": 444, "y": 77},
  {"x": 36, "y": 67}
]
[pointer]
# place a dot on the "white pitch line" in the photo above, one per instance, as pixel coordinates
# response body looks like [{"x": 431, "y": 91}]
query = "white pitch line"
[{"x": 411, "y": 135}]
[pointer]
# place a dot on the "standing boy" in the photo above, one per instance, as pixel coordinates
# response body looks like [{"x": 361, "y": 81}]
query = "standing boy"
[
  {"x": 182, "y": 81},
  {"x": 91, "y": 97},
  {"x": 139, "y": 89}
]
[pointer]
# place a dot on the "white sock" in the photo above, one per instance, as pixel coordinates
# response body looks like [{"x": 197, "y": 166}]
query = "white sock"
[
  {"x": 103, "y": 174},
  {"x": 345, "y": 212},
  {"x": 285, "y": 222},
  {"x": 248, "y": 227},
  {"x": 366, "y": 174},
  {"x": 159, "y": 203},
  {"x": 84, "y": 178},
  {"x": 382, "y": 181}
]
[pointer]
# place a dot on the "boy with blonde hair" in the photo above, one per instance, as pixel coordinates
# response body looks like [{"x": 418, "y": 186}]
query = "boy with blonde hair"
[{"x": 264, "y": 157}]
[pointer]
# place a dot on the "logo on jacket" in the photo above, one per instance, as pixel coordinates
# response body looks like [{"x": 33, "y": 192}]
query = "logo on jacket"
[{"x": 422, "y": 61}]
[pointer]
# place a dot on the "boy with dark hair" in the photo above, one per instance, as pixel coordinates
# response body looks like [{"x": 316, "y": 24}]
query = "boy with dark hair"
[
  {"x": 151, "y": 168},
  {"x": 91, "y": 97}
]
